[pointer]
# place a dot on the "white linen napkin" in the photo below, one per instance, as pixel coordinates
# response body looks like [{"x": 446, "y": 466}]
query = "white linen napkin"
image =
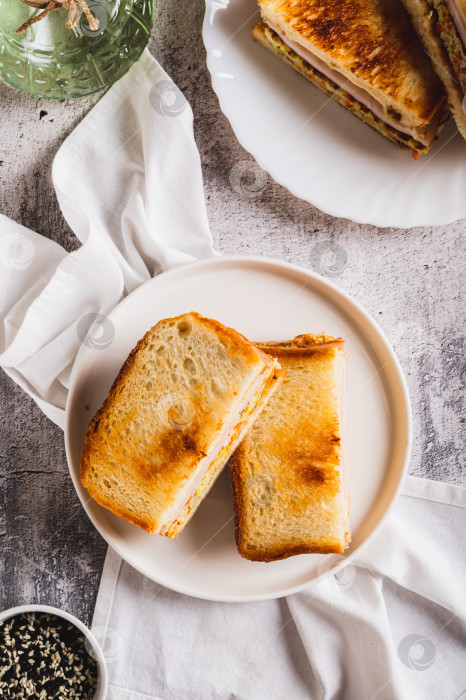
[
  {"x": 392, "y": 625},
  {"x": 129, "y": 183}
]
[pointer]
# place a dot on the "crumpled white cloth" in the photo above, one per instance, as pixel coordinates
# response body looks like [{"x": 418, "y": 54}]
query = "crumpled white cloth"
[
  {"x": 391, "y": 624},
  {"x": 129, "y": 183}
]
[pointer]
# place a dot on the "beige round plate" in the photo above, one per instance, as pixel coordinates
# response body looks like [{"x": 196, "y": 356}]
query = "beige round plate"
[{"x": 265, "y": 300}]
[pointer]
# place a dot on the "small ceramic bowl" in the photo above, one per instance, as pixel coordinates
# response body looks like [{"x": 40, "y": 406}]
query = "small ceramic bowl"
[{"x": 94, "y": 646}]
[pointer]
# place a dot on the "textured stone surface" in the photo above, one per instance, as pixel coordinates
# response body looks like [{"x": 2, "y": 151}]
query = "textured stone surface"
[{"x": 408, "y": 280}]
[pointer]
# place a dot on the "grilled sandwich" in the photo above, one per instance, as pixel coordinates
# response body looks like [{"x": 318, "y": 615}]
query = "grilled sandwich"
[
  {"x": 365, "y": 55},
  {"x": 289, "y": 475},
  {"x": 181, "y": 403}
]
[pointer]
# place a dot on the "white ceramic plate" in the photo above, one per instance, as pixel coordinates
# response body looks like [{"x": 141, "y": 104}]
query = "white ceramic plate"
[
  {"x": 314, "y": 147},
  {"x": 265, "y": 300}
]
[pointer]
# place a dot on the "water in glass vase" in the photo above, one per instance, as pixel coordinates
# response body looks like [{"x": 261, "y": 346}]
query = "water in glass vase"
[{"x": 50, "y": 60}]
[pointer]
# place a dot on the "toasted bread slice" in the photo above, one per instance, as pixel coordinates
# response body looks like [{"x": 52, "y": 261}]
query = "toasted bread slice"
[
  {"x": 369, "y": 42},
  {"x": 289, "y": 477},
  {"x": 436, "y": 28},
  {"x": 182, "y": 401}
]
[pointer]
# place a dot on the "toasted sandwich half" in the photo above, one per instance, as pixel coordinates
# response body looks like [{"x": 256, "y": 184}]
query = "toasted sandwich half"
[
  {"x": 181, "y": 403},
  {"x": 441, "y": 26},
  {"x": 289, "y": 473},
  {"x": 366, "y": 56}
]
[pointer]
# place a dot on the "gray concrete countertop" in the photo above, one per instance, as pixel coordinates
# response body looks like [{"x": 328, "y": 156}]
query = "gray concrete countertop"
[{"x": 409, "y": 280}]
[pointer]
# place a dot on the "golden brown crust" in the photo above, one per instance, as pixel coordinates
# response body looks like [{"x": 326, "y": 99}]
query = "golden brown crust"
[
  {"x": 233, "y": 341},
  {"x": 372, "y": 41},
  {"x": 124, "y": 514},
  {"x": 303, "y": 345},
  {"x": 173, "y": 454},
  {"x": 275, "y": 554},
  {"x": 305, "y": 449}
]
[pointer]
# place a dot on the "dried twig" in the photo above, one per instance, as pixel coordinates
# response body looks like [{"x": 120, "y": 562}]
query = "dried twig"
[{"x": 75, "y": 9}]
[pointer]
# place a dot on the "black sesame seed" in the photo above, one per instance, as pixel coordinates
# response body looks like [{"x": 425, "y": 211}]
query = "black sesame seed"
[{"x": 51, "y": 661}]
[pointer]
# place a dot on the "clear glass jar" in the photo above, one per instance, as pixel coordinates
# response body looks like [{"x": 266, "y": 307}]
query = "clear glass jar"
[{"x": 49, "y": 60}]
